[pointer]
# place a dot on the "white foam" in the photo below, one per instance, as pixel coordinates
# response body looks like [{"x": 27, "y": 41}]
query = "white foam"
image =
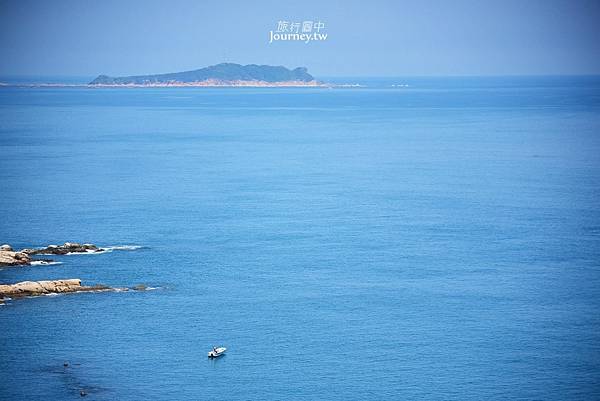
[
  {"x": 123, "y": 247},
  {"x": 144, "y": 289},
  {"x": 107, "y": 249},
  {"x": 88, "y": 252},
  {"x": 43, "y": 262}
]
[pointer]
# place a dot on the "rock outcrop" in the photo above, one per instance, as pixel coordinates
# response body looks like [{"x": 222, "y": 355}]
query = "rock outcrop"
[
  {"x": 8, "y": 257},
  {"x": 11, "y": 258},
  {"x": 36, "y": 288},
  {"x": 66, "y": 248}
]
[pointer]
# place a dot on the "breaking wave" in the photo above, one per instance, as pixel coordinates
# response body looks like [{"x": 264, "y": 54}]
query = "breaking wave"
[
  {"x": 43, "y": 262},
  {"x": 107, "y": 249},
  {"x": 123, "y": 247}
]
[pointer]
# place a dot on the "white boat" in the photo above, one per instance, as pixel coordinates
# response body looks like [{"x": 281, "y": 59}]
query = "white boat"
[{"x": 217, "y": 352}]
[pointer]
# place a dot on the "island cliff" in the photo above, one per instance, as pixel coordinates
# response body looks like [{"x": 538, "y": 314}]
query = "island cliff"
[{"x": 224, "y": 74}]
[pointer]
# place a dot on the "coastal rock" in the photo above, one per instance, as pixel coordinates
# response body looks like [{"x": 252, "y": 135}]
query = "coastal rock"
[
  {"x": 26, "y": 288},
  {"x": 66, "y": 248},
  {"x": 10, "y": 258},
  {"x": 36, "y": 288},
  {"x": 5, "y": 247}
]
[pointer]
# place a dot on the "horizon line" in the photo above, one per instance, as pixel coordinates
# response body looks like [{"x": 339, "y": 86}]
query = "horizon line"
[{"x": 510, "y": 75}]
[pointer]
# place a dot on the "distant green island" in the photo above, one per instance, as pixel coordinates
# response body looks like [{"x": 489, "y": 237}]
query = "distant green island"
[{"x": 224, "y": 74}]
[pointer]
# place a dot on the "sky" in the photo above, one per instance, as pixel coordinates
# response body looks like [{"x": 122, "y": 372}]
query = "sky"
[{"x": 364, "y": 38}]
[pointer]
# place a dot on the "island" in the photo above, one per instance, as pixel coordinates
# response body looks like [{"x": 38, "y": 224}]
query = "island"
[{"x": 224, "y": 74}]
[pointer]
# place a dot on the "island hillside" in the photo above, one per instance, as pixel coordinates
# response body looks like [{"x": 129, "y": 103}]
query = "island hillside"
[{"x": 225, "y": 74}]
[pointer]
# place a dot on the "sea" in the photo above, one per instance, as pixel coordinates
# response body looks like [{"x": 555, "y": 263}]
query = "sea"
[{"x": 406, "y": 238}]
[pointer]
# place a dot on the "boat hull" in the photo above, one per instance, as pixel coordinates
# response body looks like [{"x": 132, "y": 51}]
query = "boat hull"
[{"x": 217, "y": 353}]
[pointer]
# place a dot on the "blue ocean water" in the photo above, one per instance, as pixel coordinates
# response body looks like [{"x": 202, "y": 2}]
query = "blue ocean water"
[{"x": 436, "y": 241}]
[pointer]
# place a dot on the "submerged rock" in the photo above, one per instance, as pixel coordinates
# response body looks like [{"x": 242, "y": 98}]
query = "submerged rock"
[
  {"x": 140, "y": 287},
  {"x": 66, "y": 248}
]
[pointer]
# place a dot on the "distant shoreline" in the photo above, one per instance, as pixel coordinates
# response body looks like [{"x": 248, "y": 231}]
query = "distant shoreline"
[
  {"x": 202, "y": 84},
  {"x": 211, "y": 83},
  {"x": 216, "y": 76}
]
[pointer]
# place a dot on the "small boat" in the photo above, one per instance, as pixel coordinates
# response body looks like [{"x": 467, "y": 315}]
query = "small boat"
[{"x": 217, "y": 352}]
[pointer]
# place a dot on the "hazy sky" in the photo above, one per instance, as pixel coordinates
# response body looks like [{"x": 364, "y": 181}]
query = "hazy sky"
[{"x": 384, "y": 38}]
